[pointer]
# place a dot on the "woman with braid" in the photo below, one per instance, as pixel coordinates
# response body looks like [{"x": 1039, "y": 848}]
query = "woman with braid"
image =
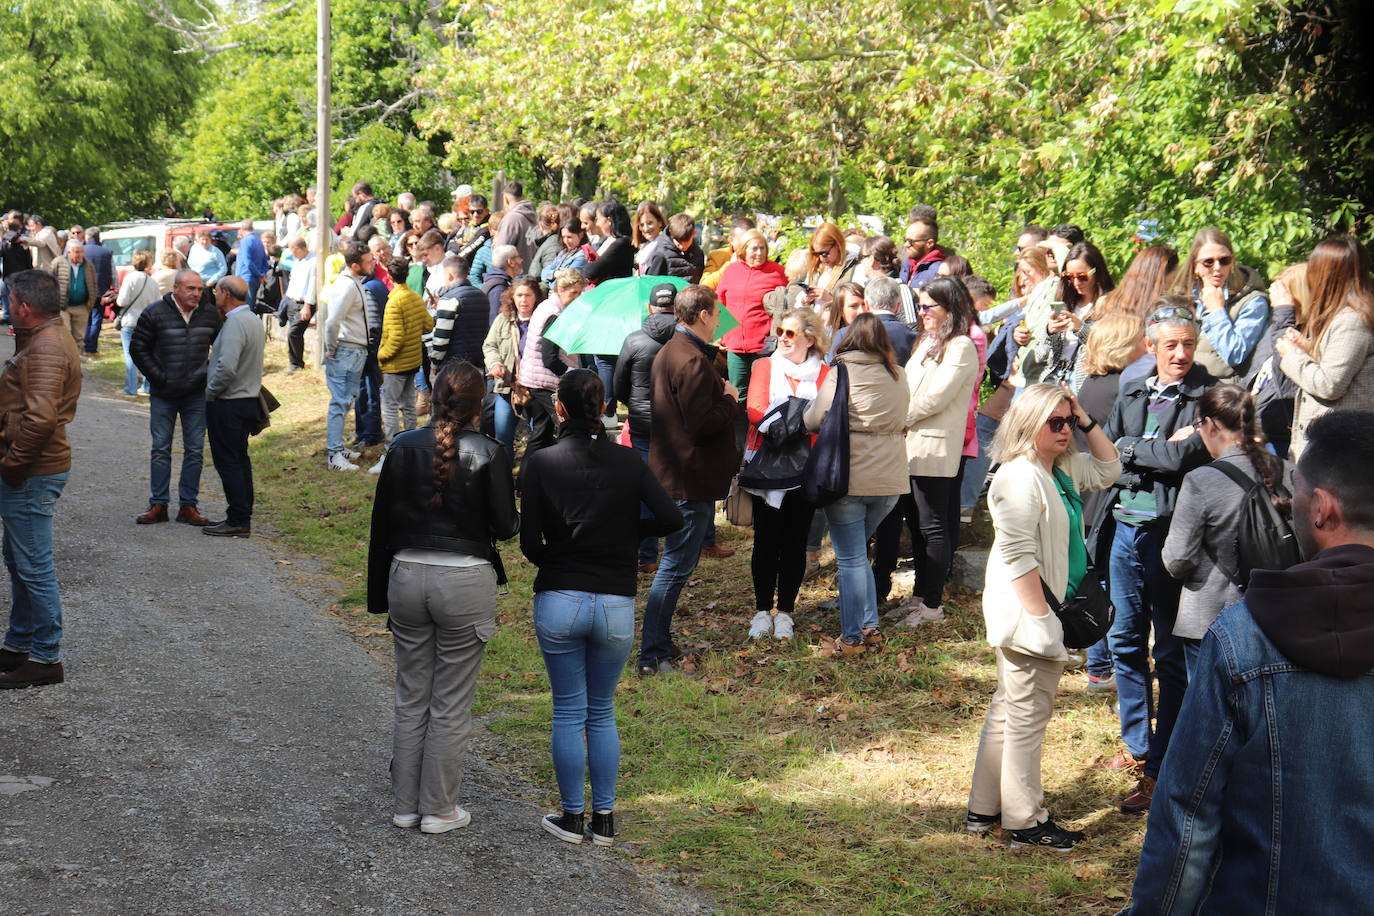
[
  {"x": 581, "y": 526},
  {"x": 444, "y": 497}
]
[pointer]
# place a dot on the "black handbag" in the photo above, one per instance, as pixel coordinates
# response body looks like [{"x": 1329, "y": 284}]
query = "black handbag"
[
  {"x": 781, "y": 459},
  {"x": 1087, "y": 616},
  {"x": 826, "y": 476}
]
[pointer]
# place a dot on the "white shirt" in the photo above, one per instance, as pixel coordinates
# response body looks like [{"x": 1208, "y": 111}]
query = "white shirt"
[{"x": 301, "y": 286}]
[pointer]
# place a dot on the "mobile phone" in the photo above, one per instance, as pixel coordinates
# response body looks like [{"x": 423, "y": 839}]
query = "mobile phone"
[
  {"x": 803, "y": 284},
  {"x": 1059, "y": 308}
]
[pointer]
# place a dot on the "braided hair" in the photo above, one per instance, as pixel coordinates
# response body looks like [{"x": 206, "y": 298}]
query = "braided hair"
[
  {"x": 583, "y": 396},
  {"x": 1233, "y": 409},
  {"x": 456, "y": 401}
]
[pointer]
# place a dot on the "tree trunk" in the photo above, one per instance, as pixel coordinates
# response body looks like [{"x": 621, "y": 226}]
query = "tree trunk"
[
  {"x": 566, "y": 188},
  {"x": 834, "y": 197}
]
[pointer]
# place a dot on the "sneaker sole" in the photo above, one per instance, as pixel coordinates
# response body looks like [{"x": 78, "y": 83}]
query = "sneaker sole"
[
  {"x": 405, "y": 821},
  {"x": 1017, "y": 844},
  {"x": 598, "y": 840},
  {"x": 564, "y": 835},
  {"x": 972, "y": 827}
]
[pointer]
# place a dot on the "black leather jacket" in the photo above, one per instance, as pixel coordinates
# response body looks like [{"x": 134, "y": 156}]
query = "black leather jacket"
[
  {"x": 634, "y": 367},
  {"x": 479, "y": 506}
]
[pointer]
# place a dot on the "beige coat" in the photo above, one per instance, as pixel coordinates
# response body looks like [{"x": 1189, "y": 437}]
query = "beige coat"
[
  {"x": 937, "y": 412},
  {"x": 1031, "y": 531},
  {"x": 877, "y": 401},
  {"x": 1340, "y": 378}
]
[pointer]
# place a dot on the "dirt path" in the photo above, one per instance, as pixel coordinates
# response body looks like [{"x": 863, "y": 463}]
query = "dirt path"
[{"x": 221, "y": 746}]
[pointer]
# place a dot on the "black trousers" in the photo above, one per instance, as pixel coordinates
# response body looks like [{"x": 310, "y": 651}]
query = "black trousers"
[
  {"x": 227, "y": 423},
  {"x": 543, "y": 421},
  {"x": 925, "y": 510},
  {"x": 295, "y": 337},
  {"x": 778, "y": 563}
]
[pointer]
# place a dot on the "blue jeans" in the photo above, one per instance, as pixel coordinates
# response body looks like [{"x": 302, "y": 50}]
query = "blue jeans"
[
  {"x": 648, "y": 547},
  {"x": 35, "y": 605},
  {"x": 853, "y": 519},
  {"x": 342, "y": 374},
  {"x": 585, "y": 638},
  {"x": 131, "y": 376},
  {"x": 681, "y": 551},
  {"x": 367, "y": 413},
  {"x": 604, "y": 367},
  {"x": 505, "y": 421},
  {"x": 162, "y": 419},
  {"x": 1145, "y": 596},
  {"x": 93, "y": 324},
  {"x": 976, "y": 471}
]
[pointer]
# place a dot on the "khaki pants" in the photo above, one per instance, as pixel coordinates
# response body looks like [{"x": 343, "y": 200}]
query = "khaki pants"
[
  {"x": 441, "y": 620},
  {"x": 77, "y": 317},
  {"x": 1006, "y": 775}
]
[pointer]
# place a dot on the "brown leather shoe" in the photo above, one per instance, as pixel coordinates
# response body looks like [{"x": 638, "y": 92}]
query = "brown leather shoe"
[
  {"x": 9, "y": 660},
  {"x": 717, "y": 552},
  {"x": 1138, "y": 802},
  {"x": 32, "y": 674},
  {"x": 157, "y": 512},
  {"x": 190, "y": 515},
  {"x": 1123, "y": 760},
  {"x": 648, "y": 567},
  {"x": 422, "y": 403}
]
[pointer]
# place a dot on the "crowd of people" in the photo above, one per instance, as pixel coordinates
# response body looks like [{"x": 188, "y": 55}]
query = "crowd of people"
[{"x": 1168, "y": 441}]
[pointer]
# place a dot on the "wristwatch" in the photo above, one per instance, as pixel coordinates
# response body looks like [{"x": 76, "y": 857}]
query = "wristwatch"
[{"x": 1092, "y": 425}]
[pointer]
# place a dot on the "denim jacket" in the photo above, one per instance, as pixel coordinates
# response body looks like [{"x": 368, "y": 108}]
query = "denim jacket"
[{"x": 1263, "y": 805}]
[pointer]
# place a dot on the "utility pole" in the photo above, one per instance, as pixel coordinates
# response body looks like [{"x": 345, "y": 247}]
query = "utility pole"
[{"x": 322, "y": 137}]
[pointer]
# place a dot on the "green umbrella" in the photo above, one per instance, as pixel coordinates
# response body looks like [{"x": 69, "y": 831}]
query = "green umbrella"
[{"x": 599, "y": 320}]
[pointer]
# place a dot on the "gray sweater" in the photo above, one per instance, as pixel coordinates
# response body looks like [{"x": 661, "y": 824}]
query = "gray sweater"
[
  {"x": 236, "y": 357},
  {"x": 1201, "y": 547}
]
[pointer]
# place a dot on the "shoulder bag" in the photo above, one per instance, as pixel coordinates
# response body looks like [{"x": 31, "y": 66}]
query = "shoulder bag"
[
  {"x": 826, "y": 475},
  {"x": 1087, "y": 616}
]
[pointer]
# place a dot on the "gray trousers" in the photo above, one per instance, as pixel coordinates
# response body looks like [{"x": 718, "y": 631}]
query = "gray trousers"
[
  {"x": 398, "y": 403},
  {"x": 441, "y": 620}
]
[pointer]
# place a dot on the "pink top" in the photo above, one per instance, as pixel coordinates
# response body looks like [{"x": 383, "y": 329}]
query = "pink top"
[{"x": 980, "y": 342}]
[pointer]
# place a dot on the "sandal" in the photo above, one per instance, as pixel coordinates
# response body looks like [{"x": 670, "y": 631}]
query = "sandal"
[
  {"x": 873, "y": 638},
  {"x": 838, "y": 648}
]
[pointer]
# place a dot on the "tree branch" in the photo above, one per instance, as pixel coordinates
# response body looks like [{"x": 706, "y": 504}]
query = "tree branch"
[{"x": 205, "y": 34}]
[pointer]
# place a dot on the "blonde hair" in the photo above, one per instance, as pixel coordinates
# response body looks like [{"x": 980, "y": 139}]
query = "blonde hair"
[
  {"x": 1295, "y": 278},
  {"x": 745, "y": 238},
  {"x": 1021, "y": 425},
  {"x": 141, "y": 259},
  {"x": 798, "y": 263},
  {"x": 569, "y": 278},
  {"x": 447, "y": 222},
  {"x": 812, "y": 326},
  {"x": 170, "y": 257},
  {"x": 1111, "y": 343}
]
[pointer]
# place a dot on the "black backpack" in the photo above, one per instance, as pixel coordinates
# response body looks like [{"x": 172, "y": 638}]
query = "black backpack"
[{"x": 1265, "y": 539}]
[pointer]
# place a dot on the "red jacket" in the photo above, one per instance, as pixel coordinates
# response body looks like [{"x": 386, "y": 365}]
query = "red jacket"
[
  {"x": 741, "y": 290},
  {"x": 760, "y": 393}
]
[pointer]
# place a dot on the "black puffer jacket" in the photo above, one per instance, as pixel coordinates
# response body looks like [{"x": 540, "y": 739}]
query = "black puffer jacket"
[
  {"x": 634, "y": 368},
  {"x": 668, "y": 260},
  {"x": 479, "y": 505},
  {"x": 173, "y": 353}
]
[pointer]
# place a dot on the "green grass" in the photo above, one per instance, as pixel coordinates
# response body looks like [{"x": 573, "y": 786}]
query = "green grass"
[{"x": 776, "y": 781}]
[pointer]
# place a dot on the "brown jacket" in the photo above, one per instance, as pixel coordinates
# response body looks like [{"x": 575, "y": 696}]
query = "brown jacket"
[
  {"x": 62, "y": 269},
  {"x": 692, "y": 437},
  {"x": 38, "y": 392}
]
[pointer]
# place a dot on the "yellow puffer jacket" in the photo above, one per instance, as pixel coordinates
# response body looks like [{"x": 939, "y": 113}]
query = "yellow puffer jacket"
[{"x": 405, "y": 321}]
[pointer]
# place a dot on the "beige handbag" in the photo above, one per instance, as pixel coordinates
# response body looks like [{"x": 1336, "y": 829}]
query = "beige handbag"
[{"x": 739, "y": 505}]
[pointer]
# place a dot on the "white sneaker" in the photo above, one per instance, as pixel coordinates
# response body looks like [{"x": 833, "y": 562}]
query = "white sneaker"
[
  {"x": 377, "y": 468},
  {"x": 761, "y": 625},
  {"x": 904, "y": 609},
  {"x": 782, "y": 626},
  {"x": 922, "y": 614},
  {"x": 405, "y": 821},
  {"x": 340, "y": 462},
  {"x": 433, "y": 823},
  {"x": 352, "y": 454},
  {"x": 609, "y": 422}
]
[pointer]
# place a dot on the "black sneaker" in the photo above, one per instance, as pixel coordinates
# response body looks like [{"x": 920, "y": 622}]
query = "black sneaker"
[
  {"x": 567, "y": 827},
  {"x": 603, "y": 828},
  {"x": 1048, "y": 835},
  {"x": 981, "y": 823}
]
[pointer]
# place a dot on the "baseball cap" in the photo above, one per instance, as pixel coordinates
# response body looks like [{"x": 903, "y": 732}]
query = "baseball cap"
[{"x": 662, "y": 296}]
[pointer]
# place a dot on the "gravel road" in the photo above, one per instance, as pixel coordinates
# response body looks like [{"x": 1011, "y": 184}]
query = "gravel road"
[{"x": 221, "y": 745}]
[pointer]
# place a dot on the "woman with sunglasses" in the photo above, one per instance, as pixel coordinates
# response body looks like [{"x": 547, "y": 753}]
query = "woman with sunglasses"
[
  {"x": 1231, "y": 304},
  {"x": 782, "y": 518},
  {"x": 1037, "y": 518},
  {"x": 1085, "y": 280},
  {"x": 742, "y": 289},
  {"x": 1332, "y": 358},
  {"x": 828, "y": 264},
  {"x": 399, "y": 224},
  {"x": 941, "y": 375}
]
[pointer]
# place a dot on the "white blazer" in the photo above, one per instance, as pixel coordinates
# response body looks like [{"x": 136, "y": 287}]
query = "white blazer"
[{"x": 937, "y": 415}]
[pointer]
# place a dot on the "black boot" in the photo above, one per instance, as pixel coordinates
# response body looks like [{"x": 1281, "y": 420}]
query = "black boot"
[
  {"x": 603, "y": 828},
  {"x": 567, "y": 826}
]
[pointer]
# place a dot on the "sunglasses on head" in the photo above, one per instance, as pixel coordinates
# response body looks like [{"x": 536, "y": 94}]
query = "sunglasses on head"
[
  {"x": 1059, "y": 424},
  {"x": 1224, "y": 261},
  {"x": 1171, "y": 313},
  {"x": 786, "y": 333}
]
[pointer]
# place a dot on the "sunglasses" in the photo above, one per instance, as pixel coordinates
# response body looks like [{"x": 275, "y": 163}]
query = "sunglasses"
[
  {"x": 1170, "y": 313},
  {"x": 927, "y": 308},
  {"x": 1224, "y": 261},
  {"x": 914, "y": 242},
  {"x": 822, "y": 254},
  {"x": 1080, "y": 278},
  {"x": 786, "y": 333},
  {"x": 1059, "y": 424}
]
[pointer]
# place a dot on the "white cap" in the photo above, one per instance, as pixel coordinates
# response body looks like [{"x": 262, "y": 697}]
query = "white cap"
[{"x": 463, "y": 190}]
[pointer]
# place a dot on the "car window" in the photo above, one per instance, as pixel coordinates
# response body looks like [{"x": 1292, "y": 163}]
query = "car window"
[{"x": 123, "y": 249}]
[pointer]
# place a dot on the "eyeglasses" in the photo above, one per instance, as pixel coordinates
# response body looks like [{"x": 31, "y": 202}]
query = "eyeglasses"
[
  {"x": 1080, "y": 278},
  {"x": 1172, "y": 313},
  {"x": 1224, "y": 261},
  {"x": 787, "y": 333},
  {"x": 912, "y": 243},
  {"x": 1059, "y": 424}
]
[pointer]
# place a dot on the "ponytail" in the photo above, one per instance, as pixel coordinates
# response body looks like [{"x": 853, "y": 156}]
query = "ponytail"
[
  {"x": 583, "y": 397},
  {"x": 1233, "y": 408},
  {"x": 457, "y": 397}
]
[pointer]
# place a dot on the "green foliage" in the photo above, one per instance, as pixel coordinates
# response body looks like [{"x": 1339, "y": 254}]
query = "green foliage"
[
  {"x": 252, "y": 138},
  {"x": 92, "y": 89}
]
